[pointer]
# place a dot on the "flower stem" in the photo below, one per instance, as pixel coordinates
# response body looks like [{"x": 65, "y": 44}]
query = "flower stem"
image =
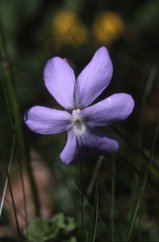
[
  {"x": 94, "y": 176},
  {"x": 14, "y": 206},
  {"x": 142, "y": 187},
  {"x": 8, "y": 169},
  {"x": 82, "y": 192},
  {"x": 112, "y": 199},
  {"x": 16, "y": 118}
]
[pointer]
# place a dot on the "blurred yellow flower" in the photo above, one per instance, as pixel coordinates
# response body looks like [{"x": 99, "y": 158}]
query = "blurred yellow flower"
[
  {"x": 67, "y": 28},
  {"x": 107, "y": 27}
]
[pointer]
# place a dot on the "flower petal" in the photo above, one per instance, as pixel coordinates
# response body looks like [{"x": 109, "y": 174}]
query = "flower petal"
[
  {"x": 94, "y": 78},
  {"x": 114, "y": 108},
  {"x": 45, "y": 120},
  {"x": 60, "y": 80},
  {"x": 95, "y": 141},
  {"x": 70, "y": 151}
]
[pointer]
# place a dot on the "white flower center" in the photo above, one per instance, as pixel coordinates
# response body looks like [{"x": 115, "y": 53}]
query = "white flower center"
[{"x": 78, "y": 123}]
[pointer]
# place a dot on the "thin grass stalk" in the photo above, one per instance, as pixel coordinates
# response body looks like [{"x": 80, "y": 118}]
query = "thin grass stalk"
[
  {"x": 82, "y": 191},
  {"x": 139, "y": 172},
  {"x": 112, "y": 200},
  {"x": 13, "y": 203},
  {"x": 82, "y": 207},
  {"x": 94, "y": 176},
  {"x": 107, "y": 230},
  {"x": 9, "y": 169},
  {"x": 136, "y": 209},
  {"x": 9, "y": 112},
  {"x": 95, "y": 216},
  {"x": 24, "y": 197},
  {"x": 87, "y": 236},
  {"x": 15, "y": 109},
  {"x": 142, "y": 188},
  {"x": 146, "y": 92},
  {"x": 131, "y": 144}
]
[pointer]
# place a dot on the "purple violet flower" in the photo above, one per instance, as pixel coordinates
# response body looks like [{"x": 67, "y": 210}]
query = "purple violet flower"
[{"x": 79, "y": 119}]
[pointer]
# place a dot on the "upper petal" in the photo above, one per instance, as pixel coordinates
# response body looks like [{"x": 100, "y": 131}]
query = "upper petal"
[
  {"x": 94, "y": 78},
  {"x": 70, "y": 150},
  {"x": 114, "y": 108},
  {"x": 45, "y": 120},
  {"x": 94, "y": 141},
  {"x": 60, "y": 80}
]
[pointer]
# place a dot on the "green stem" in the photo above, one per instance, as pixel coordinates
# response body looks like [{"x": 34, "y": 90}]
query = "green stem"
[
  {"x": 9, "y": 169},
  {"x": 95, "y": 216},
  {"x": 112, "y": 200},
  {"x": 17, "y": 119},
  {"x": 82, "y": 205},
  {"x": 142, "y": 188},
  {"x": 94, "y": 176},
  {"x": 14, "y": 206},
  {"x": 89, "y": 205}
]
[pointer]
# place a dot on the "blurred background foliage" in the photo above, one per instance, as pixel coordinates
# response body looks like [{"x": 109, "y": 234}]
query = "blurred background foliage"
[{"x": 36, "y": 30}]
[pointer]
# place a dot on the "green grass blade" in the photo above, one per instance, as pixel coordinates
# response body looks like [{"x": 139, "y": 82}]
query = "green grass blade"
[
  {"x": 13, "y": 203},
  {"x": 112, "y": 200},
  {"x": 9, "y": 169},
  {"x": 87, "y": 203},
  {"x": 95, "y": 216},
  {"x": 142, "y": 188},
  {"x": 94, "y": 176},
  {"x": 17, "y": 118}
]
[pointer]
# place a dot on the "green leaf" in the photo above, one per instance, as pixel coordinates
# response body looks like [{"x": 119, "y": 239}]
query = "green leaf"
[
  {"x": 51, "y": 229},
  {"x": 37, "y": 230}
]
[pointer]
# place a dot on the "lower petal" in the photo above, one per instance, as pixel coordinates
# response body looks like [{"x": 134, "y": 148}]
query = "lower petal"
[
  {"x": 70, "y": 150},
  {"x": 97, "y": 142},
  {"x": 45, "y": 120}
]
